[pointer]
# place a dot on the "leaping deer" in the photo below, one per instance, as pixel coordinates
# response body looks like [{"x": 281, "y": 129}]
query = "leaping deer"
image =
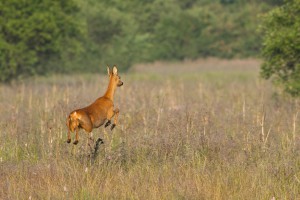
[{"x": 95, "y": 115}]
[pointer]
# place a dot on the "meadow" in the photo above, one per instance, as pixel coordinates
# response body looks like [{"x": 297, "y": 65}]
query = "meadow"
[{"x": 205, "y": 129}]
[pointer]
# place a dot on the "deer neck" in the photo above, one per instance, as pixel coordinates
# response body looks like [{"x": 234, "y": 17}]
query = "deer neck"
[{"x": 110, "y": 90}]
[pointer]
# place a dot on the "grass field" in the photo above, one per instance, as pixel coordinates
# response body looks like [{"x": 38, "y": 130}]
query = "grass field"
[{"x": 208, "y": 129}]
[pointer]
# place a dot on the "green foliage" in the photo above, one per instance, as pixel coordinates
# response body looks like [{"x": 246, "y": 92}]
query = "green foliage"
[
  {"x": 40, "y": 37},
  {"x": 281, "y": 49},
  {"x": 36, "y": 35}
]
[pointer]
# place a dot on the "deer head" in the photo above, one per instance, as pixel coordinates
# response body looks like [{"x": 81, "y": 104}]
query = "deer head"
[{"x": 114, "y": 77}]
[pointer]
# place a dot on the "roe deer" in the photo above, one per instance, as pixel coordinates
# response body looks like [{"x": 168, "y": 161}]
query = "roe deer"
[{"x": 95, "y": 115}]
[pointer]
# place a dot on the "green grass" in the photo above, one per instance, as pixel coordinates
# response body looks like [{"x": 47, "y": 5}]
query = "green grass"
[{"x": 203, "y": 135}]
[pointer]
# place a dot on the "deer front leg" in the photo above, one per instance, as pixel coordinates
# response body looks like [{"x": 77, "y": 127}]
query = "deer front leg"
[
  {"x": 107, "y": 123},
  {"x": 116, "y": 114},
  {"x": 110, "y": 115}
]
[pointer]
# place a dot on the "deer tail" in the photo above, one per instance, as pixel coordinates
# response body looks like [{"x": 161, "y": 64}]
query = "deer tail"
[{"x": 72, "y": 122}]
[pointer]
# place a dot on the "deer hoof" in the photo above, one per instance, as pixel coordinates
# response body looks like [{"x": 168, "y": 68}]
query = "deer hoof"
[
  {"x": 69, "y": 140},
  {"x": 75, "y": 142},
  {"x": 112, "y": 126},
  {"x": 107, "y": 123},
  {"x": 99, "y": 140}
]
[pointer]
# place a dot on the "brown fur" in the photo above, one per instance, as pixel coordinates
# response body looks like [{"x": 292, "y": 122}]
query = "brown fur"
[{"x": 95, "y": 115}]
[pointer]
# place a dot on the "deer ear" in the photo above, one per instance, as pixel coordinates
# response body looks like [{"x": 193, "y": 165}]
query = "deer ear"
[
  {"x": 108, "y": 71},
  {"x": 115, "y": 70}
]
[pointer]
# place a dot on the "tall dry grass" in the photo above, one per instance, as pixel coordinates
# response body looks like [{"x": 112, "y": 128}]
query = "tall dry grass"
[{"x": 200, "y": 134}]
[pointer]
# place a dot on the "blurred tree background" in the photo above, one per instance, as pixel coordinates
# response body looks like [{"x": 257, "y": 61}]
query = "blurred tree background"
[
  {"x": 67, "y": 36},
  {"x": 38, "y": 37},
  {"x": 281, "y": 46}
]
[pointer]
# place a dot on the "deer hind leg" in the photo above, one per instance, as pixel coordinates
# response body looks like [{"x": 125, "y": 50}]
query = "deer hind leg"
[
  {"x": 71, "y": 126},
  {"x": 69, "y": 136},
  {"x": 116, "y": 115},
  {"x": 85, "y": 123},
  {"x": 76, "y": 137}
]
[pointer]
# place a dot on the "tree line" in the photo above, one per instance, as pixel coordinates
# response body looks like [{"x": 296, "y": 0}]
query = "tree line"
[{"x": 55, "y": 36}]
